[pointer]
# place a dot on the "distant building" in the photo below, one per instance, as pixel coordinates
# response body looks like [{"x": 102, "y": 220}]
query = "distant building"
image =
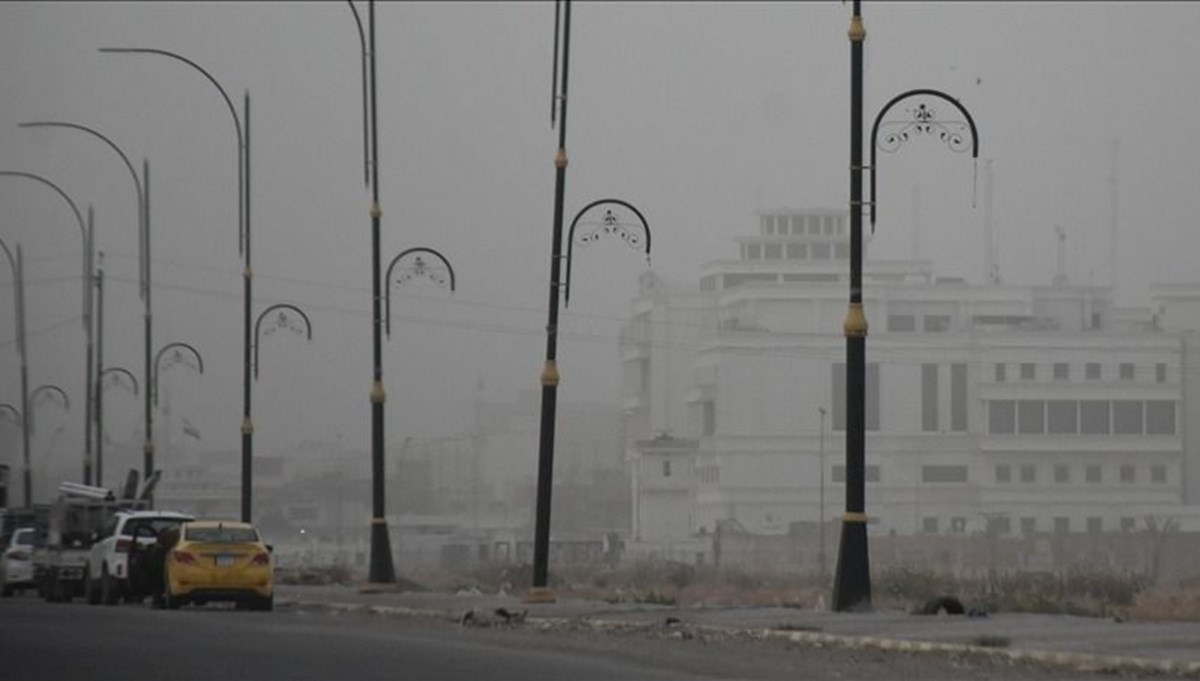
[{"x": 1035, "y": 408}]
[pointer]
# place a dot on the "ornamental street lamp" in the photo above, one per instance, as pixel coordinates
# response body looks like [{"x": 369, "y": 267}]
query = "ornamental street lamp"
[
  {"x": 852, "y": 582},
  {"x": 286, "y": 317},
  {"x": 87, "y": 233},
  {"x": 113, "y": 376},
  {"x": 15, "y": 264},
  {"x": 142, "y": 187},
  {"x": 242, "y": 130},
  {"x": 174, "y": 353}
]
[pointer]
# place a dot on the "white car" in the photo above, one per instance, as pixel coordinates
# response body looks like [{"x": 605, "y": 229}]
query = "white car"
[
  {"x": 108, "y": 573},
  {"x": 16, "y": 565}
]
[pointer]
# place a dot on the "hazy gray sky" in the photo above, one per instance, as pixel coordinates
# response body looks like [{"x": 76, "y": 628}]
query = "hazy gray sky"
[{"x": 697, "y": 113}]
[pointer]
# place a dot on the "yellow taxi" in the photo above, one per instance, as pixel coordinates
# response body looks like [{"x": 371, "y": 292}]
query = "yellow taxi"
[{"x": 214, "y": 560}]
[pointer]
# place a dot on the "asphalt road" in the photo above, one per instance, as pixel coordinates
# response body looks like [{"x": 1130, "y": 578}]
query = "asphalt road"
[{"x": 69, "y": 642}]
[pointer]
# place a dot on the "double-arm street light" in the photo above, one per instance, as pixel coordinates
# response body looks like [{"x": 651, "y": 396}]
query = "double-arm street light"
[
  {"x": 852, "y": 583},
  {"x": 174, "y": 353},
  {"x": 88, "y": 236},
  {"x": 15, "y": 265},
  {"x": 142, "y": 189},
  {"x": 242, "y": 130}
]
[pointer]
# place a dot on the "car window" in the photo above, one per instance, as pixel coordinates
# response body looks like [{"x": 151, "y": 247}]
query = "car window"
[
  {"x": 138, "y": 526},
  {"x": 225, "y": 535},
  {"x": 26, "y": 538}
]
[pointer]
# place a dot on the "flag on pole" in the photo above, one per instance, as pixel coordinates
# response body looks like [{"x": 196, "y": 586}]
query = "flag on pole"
[{"x": 190, "y": 430}]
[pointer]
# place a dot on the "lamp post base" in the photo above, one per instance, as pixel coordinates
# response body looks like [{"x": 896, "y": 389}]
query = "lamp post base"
[
  {"x": 382, "y": 571},
  {"x": 539, "y": 594},
  {"x": 852, "y": 583}
]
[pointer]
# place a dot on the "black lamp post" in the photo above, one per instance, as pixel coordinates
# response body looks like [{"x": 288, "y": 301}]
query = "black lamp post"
[
  {"x": 142, "y": 187},
  {"x": 180, "y": 353},
  {"x": 115, "y": 374},
  {"x": 15, "y": 264},
  {"x": 852, "y": 583},
  {"x": 86, "y": 232},
  {"x": 243, "y": 163}
]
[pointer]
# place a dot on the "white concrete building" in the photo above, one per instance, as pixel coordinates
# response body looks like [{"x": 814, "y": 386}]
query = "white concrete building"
[{"x": 1041, "y": 408}]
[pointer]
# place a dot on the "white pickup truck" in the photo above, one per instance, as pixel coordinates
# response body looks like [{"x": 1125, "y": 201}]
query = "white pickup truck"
[{"x": 112, "y": 571}]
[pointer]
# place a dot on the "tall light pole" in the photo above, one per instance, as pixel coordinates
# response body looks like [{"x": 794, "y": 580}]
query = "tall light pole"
[
  {"x": 88, "y": 235},
  {"x": 115, "y": 373},
  {"x": 242, "y": 130},
  {"x": 19, "y": 311},
  {"x": 821, "y": 498},
  {"x": 852, "y": 584},
  {"x": 142, "y": 186}
]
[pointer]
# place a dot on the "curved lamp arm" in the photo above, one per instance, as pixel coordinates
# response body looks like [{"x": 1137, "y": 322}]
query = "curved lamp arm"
[
  {"x": 124, "y": 372},
  {"x": 419, "y": 268},
  {"x": 609, "y": 223},
  {"x": 362, "y": 40},
  {"x": 16, "y": 413},
  {"x": 84, "y": 231},
  {"x": 924, "y": 122},
  {"x": 177, "y": 358},
  {"x": 281, "y": 322}
]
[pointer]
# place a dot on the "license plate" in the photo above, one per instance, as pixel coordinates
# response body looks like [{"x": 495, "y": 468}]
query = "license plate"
[{"x": 225, "y": 561}]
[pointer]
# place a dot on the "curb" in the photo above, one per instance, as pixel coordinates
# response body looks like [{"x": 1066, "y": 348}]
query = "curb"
[{"x": 1080, "y": 662}]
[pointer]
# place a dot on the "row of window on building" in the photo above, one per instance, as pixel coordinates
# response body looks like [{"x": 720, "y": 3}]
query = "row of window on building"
[
  {"x": 1126, "y": 474},
  {"x": 1092, "y": 371},
  {"x": 794, "y": 251},
  {"x": 1081, "y": 417},
  {"x": 798, "y": 225},
  {"x": 1002, "y": 525}
]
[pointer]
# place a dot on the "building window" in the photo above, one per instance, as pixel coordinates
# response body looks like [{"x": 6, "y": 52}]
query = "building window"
[
  {"x": 1028, "y": 371},
  {"x": 1093, "y": 417},
  {"x": 841, "y": 251},
  {"x": 773, "y": 251},
  {"x": 797, "y": 251},
  {"x": 1031, "y": 417},
  {"x": 708, "y": 417},
  {"x": 1128, "y": 524},
  {"x": 1028, "y": 473},
  {"x": 1001, "y": 370},
  {"x": 1002, "y": 417},
  {"x": 1028, "y": 526},
  {"x": 829, "y": 226},
  {"x": 937, "y": 323},
  {"x": 768, "y": 224},
  {"x": 958, "y": 525},
  {"x": 1160, "y": 373},
  {"x": 1062, "y": 525},
  {"x": 1062, "y": 473},
  {"x": 943, "y": 473},
  {"x": 901, "y": 322},
  {"x": 1092, "y": 371},
  {"x": 820, "y": 251},
  {"x": 1094, "y": 526},
  {"x": 929, "y": 397},
  {"x": 1128, "y": 474},
  {"x": 1092, "y": 474},
  {"x": 753, "y": 251},
  {"x": 1062, "y": 371},
  {"x": 1062, "y": 417},
  {"x": 958, "y": 397},
  {"x": 838, "y": 393},
  {"x": 999, "y": 525},
  {"x": 1003, "y": 473},
  {"x": 1127, "y": 417},
  {"x": 1160, "y": 417},
  {"x": 666, "y": 468},
  {"x": 1126, "y": 371},
  {"x": 814, "y": 225},
  {"x": 929, "y": 525},
  {"x": 797, "y": 224},
  {"x": 1158, "y": 474}
]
